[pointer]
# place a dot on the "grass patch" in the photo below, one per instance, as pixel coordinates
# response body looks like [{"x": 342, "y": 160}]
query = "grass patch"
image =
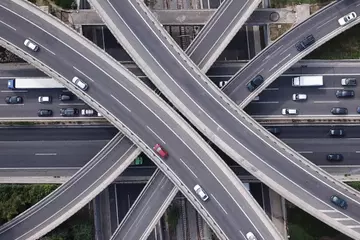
[
  {"x": 303, "y": 226},
  {"x": 276, "y": 30},
  {"x": 286, "y": 3},
  {"x": 344, "y": 46}
]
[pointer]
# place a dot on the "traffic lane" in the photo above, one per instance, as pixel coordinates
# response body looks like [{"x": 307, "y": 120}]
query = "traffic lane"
[
  {"x": 321, "y": 131},
  {"x": 57, "y": 133},
  {"x": 283, "y": 50},
  {"x": 316, "y": 150},
  {"x": 48, "y": 154},
  {"x": 149, "y": 204},
  {"x": 174, "y": 65},
  {"x": 137, "y": 23},
  {"x": 51, "y": 60},
  {"x": 225, "y": 20},
  {"x": 311, "y": 185},
  {"x": 60, "y": 204}
]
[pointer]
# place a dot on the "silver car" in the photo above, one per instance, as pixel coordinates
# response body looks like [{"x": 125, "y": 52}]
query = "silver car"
[
  {"x": 250, "y": 236},
  {"x": 80, "y": 83},
  {"x": 29, "y": 44},
  {"x": 201, "y": 193},
  {"x": 299, "y": 97}
]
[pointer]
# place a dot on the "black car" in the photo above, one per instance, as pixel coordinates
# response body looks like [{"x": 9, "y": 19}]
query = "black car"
[
  {"x": 302, "y": 45},
  {"x": 339, "y": 111},
  {"x": 345, "y": 93},
  {"x": 13, "y": 100},
  {"x": 256, "y": 82},
  {"x": 348, "y": 82},
  {"x": 338, "y": 201},
  {"x": 337, "y": 133},
  {"x": 69, "y": 112},
  {"x": 335, "y": 157},
  {"x": 274, "y": 130},
  {"x": 45, "y": 113},
  {"x": 65, "y": 97}
]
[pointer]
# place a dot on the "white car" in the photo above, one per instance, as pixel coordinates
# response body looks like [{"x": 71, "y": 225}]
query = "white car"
[
  {"x": 80, "y": 83},
  {"x": 289, "y": 111},
  {"x": 222, "y": 83},
  {"x": 347, "y": 18},
  {"x": 87, "y": 112},
  {"x": 299, "y": 97},
  {"x": 44, "y": 99},
  {"x": 34, "y": 47},
  {"x": 256, "y": 99},
  {"x": 201, "y": 193},
  {"x": 250, "y": 236}
]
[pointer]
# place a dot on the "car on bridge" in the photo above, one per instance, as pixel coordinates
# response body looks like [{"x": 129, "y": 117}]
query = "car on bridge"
[
  {"x": 345, "y": 93},
  {"x": 255, "y": 83},
  {"x": 161, "y": 151},
  {"x": 339, "y": 111},
  {"x": 335, "y": 157},
  {"x": 338, "y": 201},
  {"x": 14, "y": 100},
  {"x": 201, "y": 193},
  {"x": 305, "y": 43},
  {"x": 348, "y": 18},
  {"x": 348, "y": 82}
]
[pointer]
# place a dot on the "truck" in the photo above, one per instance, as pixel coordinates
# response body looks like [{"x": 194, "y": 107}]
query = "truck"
[
  {"x": 33, "y": 83},
  {"x": 307, "y": 81}
]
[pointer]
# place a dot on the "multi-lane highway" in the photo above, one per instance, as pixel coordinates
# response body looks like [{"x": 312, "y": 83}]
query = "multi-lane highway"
[
  {"x": 130, "y": 107},
  {"x": 282, "y": 54},
  {"x": 210, "y": 43},
  {"x": 182, "y": 82}
]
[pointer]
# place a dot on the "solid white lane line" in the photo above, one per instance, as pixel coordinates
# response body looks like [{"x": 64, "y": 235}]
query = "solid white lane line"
[
  {"x": 271, "y": 89},
  {"x": 357, "y": 152},
  {"x": 342, "y": 219},
  {"x": 328, "y": 211},
  {"x": 326, "y": 101},
  {"x": 212, "y": 196},
  {"x": 330, "y": 88},
  {"x": 72, "y": 104},
  {"x": 303, "y": 152},
  {"x": 280, "y": 62},
  {"x": 156, "y": 134},
  {"x": 188, "y": 167},
  {"x": 42, "y": 46},
  {"x": 83, "y": 74},
  {"x": 327, "y": 22},
  {"x": 270, "y": 102},
  {"x": 353, "y": 226},
  {"x": 13, "y": 105},
  {"x": 14, "y": 91},
  {"x": 8, "y": 25},
  {"x": 121, "y": 103},
  {"x": 45, "y": 154}
]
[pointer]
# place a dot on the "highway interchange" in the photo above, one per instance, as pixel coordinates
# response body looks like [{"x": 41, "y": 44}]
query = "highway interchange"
[
  {"x": 49, "y": 60},
  {"x": 96, "y": 91}
]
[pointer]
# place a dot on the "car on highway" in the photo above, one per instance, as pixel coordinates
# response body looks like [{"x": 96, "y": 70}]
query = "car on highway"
[
  {"x": 299, "y": 96},
  {"x": 306, "y": 42},
  {"x": 31, "y": 45},
  {"x": 255, "y": 83},
  {"x": 222, "y": 83},
  {"x": 250, "y": 236},
  {"x": 65, "y": 97},
  {"x": 80, "y": 83},
  {"x": 338, "y": 201},
  {"x": 348, "y": 18},
  {"x": 45, "y": 113},
  {"x": 13, "y": 100},
  {"x": 201, "y": 193},
  {"x": 69, "y": 112},
  {"x": 345, "y": 93},
  {"x": 348, "y": 82},
  {"x": 274, "y": 130},
  {"x": 289, "y": 111},
  {"x": 87, "y": 112},
  {"x": 44, "y": 99},
  {"x": 358, "y": 109},
  {"x": 161, "y": 151},
  {"x": 334, "y": 157},
  {"x": 337, "y": 133},
  {"x": 339, "y": 111}
]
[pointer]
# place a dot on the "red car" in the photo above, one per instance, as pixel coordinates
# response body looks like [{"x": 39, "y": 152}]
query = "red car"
[{"x": 157, "y": 148}]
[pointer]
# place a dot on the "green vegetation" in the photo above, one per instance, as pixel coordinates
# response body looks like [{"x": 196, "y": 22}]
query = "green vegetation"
[
  {"x": 344, "y": 46},
  {"x": 303, "y": 226},
  {"x": 173, "y": 215},
  {"x": 284, "y": 3},
  {"x": 66, "y": 4},
  {"x": 16, "y": 198}
]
